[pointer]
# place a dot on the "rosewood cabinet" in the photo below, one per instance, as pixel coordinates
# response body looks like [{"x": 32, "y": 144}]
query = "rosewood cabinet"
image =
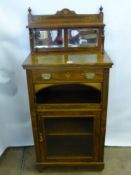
[{"x": 67, "y": 75}]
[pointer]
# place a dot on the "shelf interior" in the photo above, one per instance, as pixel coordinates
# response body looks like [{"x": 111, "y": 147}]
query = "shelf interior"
[
  {"x": 69, "y": 137},
  {"x": 69, "y": 126},
  {"x": 69, "y": 146},
  {"x": 68, "y": 93}
]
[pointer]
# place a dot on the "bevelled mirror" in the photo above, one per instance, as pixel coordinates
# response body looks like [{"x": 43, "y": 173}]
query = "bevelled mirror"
[
  {"x": 83, "y": 37},
  {"x": 44, "y": 38}
]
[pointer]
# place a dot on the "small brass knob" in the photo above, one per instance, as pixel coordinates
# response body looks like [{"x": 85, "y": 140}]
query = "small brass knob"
[
  {"x": 89, "y": 75},
  {"x": 40, "y": 137},
  {"x": 46, "y": 76}
]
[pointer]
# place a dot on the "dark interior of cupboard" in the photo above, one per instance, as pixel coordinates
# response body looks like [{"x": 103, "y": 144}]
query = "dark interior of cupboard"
[
  {"x": 70, "y": 137},
  {"x": 68, "y": 93}
]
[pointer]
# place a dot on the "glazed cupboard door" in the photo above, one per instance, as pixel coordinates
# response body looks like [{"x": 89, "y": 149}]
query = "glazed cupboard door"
[{"x": 69, "y": 138}]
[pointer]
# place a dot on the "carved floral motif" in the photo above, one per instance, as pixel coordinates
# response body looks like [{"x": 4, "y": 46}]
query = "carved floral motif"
[{"x": 65, "y": 11}]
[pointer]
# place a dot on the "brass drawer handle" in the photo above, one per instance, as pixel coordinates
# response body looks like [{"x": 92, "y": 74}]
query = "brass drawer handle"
[
  {"x": 89, "y": 75},
  {"x": 46, "y": 76}
]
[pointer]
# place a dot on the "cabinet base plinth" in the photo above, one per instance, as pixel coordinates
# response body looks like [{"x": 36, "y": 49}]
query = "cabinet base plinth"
[{"x": 89, "y": 165}]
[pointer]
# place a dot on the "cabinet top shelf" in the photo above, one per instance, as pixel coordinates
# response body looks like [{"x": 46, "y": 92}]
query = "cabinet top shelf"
[{"x": 67, "y": 59}]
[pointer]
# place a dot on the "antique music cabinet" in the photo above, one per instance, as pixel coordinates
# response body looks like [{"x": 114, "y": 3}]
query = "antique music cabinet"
[{"x": 67, "y": 75}]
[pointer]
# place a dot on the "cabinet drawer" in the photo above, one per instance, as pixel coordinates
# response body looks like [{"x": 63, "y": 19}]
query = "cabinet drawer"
[{"x": 70, "y": 76}]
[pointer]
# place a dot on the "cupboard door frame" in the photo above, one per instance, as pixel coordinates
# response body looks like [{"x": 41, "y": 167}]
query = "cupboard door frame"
[{"x": 96, "y": 131}]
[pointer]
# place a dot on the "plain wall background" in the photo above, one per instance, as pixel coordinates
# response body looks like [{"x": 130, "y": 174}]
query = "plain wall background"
[{"x": 15, "y": 125}]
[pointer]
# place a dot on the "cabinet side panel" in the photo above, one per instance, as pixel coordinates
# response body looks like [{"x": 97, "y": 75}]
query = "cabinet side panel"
[
  {"x": 104, "y": 113},
  {"x": 33, "y": 114}
]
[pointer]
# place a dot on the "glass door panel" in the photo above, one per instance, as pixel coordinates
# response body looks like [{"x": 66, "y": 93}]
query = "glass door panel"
[
  {"x": 68, "y": 138},
  {"x": 69, "y": 126},
  {"x": 69, "y": 146}
]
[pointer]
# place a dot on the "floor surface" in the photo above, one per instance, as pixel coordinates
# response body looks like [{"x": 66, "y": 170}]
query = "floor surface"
[{"x": 21, "y": 161}]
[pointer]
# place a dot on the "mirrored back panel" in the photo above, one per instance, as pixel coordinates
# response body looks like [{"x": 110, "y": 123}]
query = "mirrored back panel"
[
  {"x": 73, "y": 38},
  {"x": 46, "y": 38},
  {"x": 83, "y": 37}
]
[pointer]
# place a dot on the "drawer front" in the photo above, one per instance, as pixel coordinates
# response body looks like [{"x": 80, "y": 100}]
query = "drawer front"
[{"x": 67, "y": 76}]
